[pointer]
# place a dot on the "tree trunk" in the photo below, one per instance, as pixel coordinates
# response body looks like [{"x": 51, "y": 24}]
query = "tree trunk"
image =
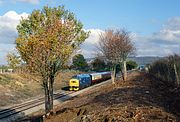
[
  {"x": 47, "y": 98},
  {"x": 51, "y": 92},
  {"x": 125, "y": 71},
  {"x": 122, "y": 73},
  {"x": 176, "y": 74},
  {"x": 113, "y": 75},
  {"x": 48, "y": 88}
]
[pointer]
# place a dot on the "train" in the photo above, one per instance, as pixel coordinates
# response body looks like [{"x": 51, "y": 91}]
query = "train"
[{"x": 81, "y": 81}]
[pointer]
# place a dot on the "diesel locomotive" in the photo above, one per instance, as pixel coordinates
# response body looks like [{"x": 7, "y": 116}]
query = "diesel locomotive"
[{"x": 81, "y": 81}]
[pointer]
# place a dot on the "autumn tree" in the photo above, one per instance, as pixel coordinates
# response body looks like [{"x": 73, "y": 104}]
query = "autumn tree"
[
  {"x": 116, "y": 46},
  {"x": 79, "y": 62},
  {"x": 13, "y": 60},
  {"x": 46, "y": 40}
]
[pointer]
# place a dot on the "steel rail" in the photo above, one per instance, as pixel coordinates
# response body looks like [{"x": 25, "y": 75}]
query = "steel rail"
[{"x": 22, "y": 107}]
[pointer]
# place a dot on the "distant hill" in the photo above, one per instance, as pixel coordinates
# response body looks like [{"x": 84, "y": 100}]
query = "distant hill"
[
  {"x": 144, "y": 60},
  {"x": 140, "y": 60}
]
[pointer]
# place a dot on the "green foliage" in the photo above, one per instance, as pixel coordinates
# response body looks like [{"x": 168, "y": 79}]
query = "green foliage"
[
  {"x": 13, "y": 60},
  {"x": 164, "y": 69},
  {"x": 79, "y": 63},
  {"x": 131, "y": 65},
  {"x": 48, "y": 38},
  {"x": 46, "y": 41},
  {"x": 98, "y": 65},
  {"x": 4, "y": 67}
]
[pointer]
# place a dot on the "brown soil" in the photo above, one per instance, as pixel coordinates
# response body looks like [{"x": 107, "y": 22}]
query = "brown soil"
[{"x": 139, "y": 99}]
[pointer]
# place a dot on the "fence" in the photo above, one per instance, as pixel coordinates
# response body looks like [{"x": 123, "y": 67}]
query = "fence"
[{"x": 167, "y": 69}]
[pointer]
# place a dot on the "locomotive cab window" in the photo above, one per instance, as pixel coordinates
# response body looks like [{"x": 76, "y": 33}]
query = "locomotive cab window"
[{"x": 73, "y": 81}]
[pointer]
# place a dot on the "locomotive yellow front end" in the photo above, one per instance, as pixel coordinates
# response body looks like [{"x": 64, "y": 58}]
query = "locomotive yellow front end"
[{"x": 74, "y": 84}]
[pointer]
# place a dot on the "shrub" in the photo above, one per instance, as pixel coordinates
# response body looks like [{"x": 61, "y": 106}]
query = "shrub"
[{"x": 167, "y": 69}]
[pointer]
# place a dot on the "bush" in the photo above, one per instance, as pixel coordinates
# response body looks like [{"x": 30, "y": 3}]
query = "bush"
[
  {"x": 98, "y": 65},
  {"x": 164, "y": 69},
  {"x": 79, "y": 63},
  {"x": 131, "y": 65}
]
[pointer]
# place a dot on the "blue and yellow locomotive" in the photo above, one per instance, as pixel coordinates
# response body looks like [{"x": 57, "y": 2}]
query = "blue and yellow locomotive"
[{"x": 84, "y": 80}]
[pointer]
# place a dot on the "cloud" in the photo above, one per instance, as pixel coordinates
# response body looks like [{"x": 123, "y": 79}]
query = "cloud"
[
  {"x": 4, "y": 50},
  {"x": 8, "y": 32},
  {"x": 30, "y": 1},
  {"x": 88, "y": 48},
  {"x": 8, "y": 23},
  {"x": 162, "y": 43},
  {"x": 173, "y": 24}
]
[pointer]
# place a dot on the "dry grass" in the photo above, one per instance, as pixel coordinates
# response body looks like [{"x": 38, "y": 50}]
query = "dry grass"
[{"x": 16, "y": 88}]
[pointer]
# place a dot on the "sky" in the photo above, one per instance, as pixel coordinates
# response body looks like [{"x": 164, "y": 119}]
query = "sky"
[{"x": 154, "y": 25}]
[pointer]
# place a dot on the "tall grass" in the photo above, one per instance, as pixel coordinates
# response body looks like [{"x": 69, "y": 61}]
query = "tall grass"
[{"x": 167, "y": 69}]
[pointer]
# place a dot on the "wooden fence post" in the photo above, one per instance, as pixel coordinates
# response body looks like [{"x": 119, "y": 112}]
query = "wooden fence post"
[{"x": 176, "y": 74}]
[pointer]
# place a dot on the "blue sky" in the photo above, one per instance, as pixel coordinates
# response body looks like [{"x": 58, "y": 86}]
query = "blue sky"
[
  {"x": 139, "y": 16},
  {"x": 154, "y": 24}
]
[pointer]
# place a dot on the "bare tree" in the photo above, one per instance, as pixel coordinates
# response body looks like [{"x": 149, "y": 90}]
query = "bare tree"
[{"x": 116, "y": 46}]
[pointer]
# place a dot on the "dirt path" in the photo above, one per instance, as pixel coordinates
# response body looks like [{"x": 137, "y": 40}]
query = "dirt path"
[{"x": 137, "y": 100}]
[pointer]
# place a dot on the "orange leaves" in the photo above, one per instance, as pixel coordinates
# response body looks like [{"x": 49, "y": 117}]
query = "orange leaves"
[
  {"x": 116, "y": 45},
  {"x": 49, "y": 36}
]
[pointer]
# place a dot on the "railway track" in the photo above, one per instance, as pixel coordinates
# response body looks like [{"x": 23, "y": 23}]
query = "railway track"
[{"x": 15, "y": 110}]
